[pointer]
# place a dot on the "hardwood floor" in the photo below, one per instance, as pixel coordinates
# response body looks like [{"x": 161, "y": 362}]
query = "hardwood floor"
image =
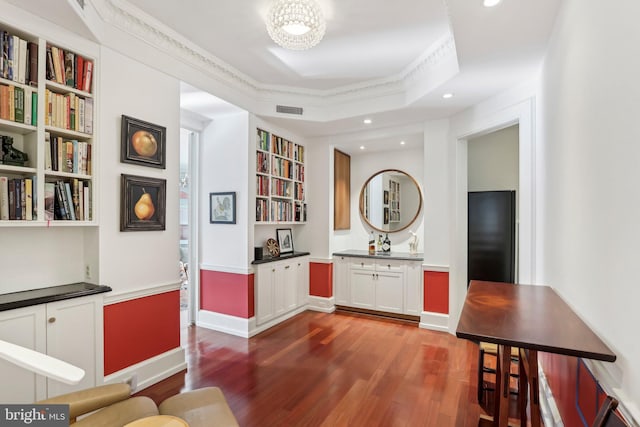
[{"x": 337, "y": 369}]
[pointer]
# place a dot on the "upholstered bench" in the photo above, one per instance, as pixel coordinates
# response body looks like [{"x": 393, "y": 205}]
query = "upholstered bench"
[{"x": 113, "y": 406}]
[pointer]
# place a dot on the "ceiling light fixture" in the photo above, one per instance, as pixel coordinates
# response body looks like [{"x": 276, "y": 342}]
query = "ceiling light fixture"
[
  {"x": 296, "y": 24},
  {"x": 491, "y": 3},
  {"x": 367, "y": 121},
  {"x": 362, "y": 147},
  {"x": 447, "y": 95},
  {"x": 402, "y": 142}
]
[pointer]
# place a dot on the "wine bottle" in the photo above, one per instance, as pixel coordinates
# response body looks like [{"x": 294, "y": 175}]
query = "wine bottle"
[
  {"x": 372, "y": 244},
  {"x": 386, "y": 244}
]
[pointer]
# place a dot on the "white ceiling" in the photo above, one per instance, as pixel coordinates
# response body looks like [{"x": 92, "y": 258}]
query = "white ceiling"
[{"x": 383, "y": 57}]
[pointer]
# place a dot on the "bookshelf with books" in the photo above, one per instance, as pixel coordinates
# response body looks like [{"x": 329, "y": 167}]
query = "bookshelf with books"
[
  {"x": 280, "y": 193},
  {"x": 46, "y": 130}
]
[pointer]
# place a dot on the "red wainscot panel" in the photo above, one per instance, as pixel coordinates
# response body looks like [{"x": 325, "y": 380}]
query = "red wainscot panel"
[
  {"x": 320, "y": 279},
  {"x": 436, "y": 292},
  {"x": 139, "y": 329},
  {"x": 576, "y": 392},
  {"x": 227, "y": 293}
]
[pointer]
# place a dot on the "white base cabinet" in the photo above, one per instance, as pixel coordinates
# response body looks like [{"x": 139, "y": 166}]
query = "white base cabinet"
[
  {"x": 70, "y": 330},
  {"x": 389, "y": 285},
  {"x": 280, "y": 288}
]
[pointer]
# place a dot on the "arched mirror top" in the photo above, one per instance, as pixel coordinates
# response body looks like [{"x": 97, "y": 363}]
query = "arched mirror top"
[{"x": 390, "y": 200}]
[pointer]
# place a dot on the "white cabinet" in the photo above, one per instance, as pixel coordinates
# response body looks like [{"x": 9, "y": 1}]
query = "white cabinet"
[
  {"x": 281, "y": 287},
  {"x": 380, "y": 284},
  {"x": 70, "y": 330}
]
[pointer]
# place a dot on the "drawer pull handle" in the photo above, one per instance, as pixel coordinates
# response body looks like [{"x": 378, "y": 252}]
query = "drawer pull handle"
[
  {"x": 362, "y": 264},
  {"x": 273, "y": 269},
  {"x": 288, "y": 266},
  {"x": 52, "y": 320},
  {"x": 389, "y": 266}
]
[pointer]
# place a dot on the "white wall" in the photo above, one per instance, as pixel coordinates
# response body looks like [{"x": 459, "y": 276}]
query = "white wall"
[
  {"x": 224, "y": 167},
  {"x": 589, "y": 175},
  {"x": 142, "y": 259},
  {"x": 363, "y": 166},
  {"x": 493, "y": 161}
]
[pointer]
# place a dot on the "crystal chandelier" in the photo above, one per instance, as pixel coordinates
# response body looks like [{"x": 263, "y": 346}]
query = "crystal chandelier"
[{"x": 296, "y": 24}]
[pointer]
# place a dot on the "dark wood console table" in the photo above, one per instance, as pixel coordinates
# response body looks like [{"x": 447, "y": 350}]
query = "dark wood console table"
[{"x": 531, "y": 318}]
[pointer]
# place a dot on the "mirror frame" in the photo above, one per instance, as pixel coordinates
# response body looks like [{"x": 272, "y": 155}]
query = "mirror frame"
[{"x": 361, "y": 203}]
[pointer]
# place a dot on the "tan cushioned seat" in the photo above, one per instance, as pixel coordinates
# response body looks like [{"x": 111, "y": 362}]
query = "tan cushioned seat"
[
  {"x": 205, "y": 407},
  {"x": 85, "y": 401},
  {"x": 120, "y": 413}
]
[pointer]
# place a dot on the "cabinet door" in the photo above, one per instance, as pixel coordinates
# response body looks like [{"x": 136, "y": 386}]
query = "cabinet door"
[
  {"x": 265, "y": 293},
  {"x": 413, "y": 296},
  {"x": 25, "y": 327},
  {"x": 389, "y": 291},
  {"x": 341, "y": 287},
  {"x": 362, "y": 289},
  {"x": 74, "y": 334},
  {"x": 290, "y": 285},
  {"x": 302, "y": 280}
]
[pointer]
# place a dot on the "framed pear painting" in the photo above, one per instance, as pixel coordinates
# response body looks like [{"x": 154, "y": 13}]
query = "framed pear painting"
[
  {"x": 142, "y": 205},
  {"x": 143, "y": 143}
]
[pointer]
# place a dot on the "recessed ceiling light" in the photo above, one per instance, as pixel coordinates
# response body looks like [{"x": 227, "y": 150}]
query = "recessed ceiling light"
[
  {"x": 491, "y": 3},
  {"x": 367, "y": 121},
  {"x": 362, "y": 147},
  {"x": 447, "y": 95},
  {"x": 402, "y": 142}
]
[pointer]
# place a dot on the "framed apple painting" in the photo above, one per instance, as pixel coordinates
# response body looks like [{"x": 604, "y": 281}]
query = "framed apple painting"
[
  {"x": 142, "y": 207},
  {"x": 143, "y": 143}
]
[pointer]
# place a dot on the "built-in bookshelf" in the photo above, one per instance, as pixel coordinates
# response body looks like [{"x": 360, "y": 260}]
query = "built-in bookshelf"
[
  {"x": 394, "y": 201},
  {"x": 46, "y": 129},
  {"x": 280, "y": 188}
]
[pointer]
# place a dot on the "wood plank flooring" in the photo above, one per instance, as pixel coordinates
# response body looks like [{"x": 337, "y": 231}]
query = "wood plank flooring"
[{"x": 339, "y": 369}]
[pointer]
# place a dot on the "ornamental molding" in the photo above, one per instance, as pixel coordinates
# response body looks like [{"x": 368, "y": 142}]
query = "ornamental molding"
[{"x": 136, "y": 23}]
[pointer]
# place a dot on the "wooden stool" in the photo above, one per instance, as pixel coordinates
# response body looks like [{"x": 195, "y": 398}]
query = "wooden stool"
[{"x": 492, "y": 349}]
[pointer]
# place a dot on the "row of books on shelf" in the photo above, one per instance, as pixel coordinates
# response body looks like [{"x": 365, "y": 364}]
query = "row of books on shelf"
[
  {"x": 280, "y": 188},
  {"x": 282, "y": 167},
  {"x": 262, "y": 162},
  {"x": 19, "y": 61},
  {"x": 69, "y": 111},
  {"x": 262, "y": 142},
  {"x": 262, "y": 185},
  {"x": 63, "y": 155},
  {"x": 280, "y": 211},
  {"x": 69, "y": 68},
  {"x": 298, "y": 170},
  {"x": 19, "y": 104},
  {"x": 67, "y": 200},
  {"x": 18, "y": 198},
  {"x": 282, "y": 147},
  {"x": 299, "y": 192}
]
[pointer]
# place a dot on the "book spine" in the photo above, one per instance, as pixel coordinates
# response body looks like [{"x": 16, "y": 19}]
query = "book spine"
[
  {"x": 22, "y": 75},
  {"x": 69, "y": 68},
  {"x": 51, "y": 73},
  {"x": 86, "y": 200},
  {"x": 27, "y": 106},
  {"x": 12, "y": 199},
  {"x": 4, "y": 198},
  {"x": 12, "y": 103},
  {"x": 49, "y": 201},
  {"x": 34, "y": 108},
  {"x": 62, "y": 213},
  {"x": 28, "y": 196},
  {"x": 33, "y": 63},
  {"x": 69, "y": 199},
  {"x": 18, "y": 94},
  {"x": 47, "y": 151},
  {"x": 88, "y": 76},
  {"x": 88, "y": 116}
]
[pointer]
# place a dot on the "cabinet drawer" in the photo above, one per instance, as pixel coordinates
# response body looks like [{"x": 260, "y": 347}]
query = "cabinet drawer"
[
  {"x": 390, "y": 265},
  {"x": 363, "y": 264}
]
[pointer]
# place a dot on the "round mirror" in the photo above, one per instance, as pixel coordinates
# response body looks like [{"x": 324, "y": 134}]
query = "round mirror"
[{"x": 390, "y": 200}]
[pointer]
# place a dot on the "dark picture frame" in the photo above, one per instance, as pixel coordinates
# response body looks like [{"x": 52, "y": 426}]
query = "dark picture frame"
[
  {"x": 386, "y": 215},
  {"x": 285, "y": 240},
  {"x": 385, "y": 198},
  {"x": 143, "y": 143},
  {"x": 135, "y": 214},
  {"x": 222, "y": 207}
]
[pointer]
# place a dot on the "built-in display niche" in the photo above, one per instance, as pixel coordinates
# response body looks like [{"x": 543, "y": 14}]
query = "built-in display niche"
[{"x": 390, "y": 200}]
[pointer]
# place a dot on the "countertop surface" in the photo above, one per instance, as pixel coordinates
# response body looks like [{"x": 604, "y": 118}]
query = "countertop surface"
[
  {"x": 282, "y": 257},
  {"x": 20, "y": 299},
  {"x": 405, "y": 256}
]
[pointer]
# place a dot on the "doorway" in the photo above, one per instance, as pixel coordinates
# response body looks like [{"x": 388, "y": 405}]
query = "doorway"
[{"x": 188, "y": 229}]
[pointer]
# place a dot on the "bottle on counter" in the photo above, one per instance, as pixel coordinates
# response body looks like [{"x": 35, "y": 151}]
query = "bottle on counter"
[
  {"x": 372, "y": 244},
  {"x": 379, "y": 244},
  {"x": 386, "y": 244}
]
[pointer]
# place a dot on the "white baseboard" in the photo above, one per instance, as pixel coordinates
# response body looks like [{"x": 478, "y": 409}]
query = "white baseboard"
[
  {"x": 232, "y": 325},
  {"x": 323, "y": 304},
  {"x": 434, "y": 321},
  {"x": 152, "y": 370},
  {"x": 548, "y": 408},
  {"x": 257, "y": 329}
]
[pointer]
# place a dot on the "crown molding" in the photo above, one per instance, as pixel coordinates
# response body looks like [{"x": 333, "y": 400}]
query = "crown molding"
[{"x": 131, "y": 20}]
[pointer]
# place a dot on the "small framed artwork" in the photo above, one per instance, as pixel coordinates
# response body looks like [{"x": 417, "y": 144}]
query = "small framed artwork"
[
  {"x": 222, "y": 208},
  {"x": 142, "y": 203},
  {"x": 142, "y": 143},
  {"x": 386, "y": 215},
  {"x": 285, "y": 240},
  {"x": 385, "y": 200}
]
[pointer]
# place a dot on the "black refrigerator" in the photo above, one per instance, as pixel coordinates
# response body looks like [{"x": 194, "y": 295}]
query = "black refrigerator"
[{"x": 491, "y": 236}]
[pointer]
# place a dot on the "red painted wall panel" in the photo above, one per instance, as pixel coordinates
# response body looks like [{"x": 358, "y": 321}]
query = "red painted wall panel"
[
  {"x": 227, "y": 293},
  {"x": 139, "y": 329},
  {"x": 321, "y": 279},
  {"x": 436, "y": 292}
]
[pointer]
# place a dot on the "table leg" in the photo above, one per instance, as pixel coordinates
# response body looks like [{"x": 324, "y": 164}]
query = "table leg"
[
  {"x": 534, "y": 392},
  {"x": 503, "y": 378},
  {"x": 522, "y": 386}
]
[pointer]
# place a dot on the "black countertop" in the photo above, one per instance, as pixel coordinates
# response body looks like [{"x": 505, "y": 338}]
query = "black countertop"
[
  {"x": 15, "y": 300},
  {"x": 282, "y": 257},
  {"x": 404, "y": 256}
]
